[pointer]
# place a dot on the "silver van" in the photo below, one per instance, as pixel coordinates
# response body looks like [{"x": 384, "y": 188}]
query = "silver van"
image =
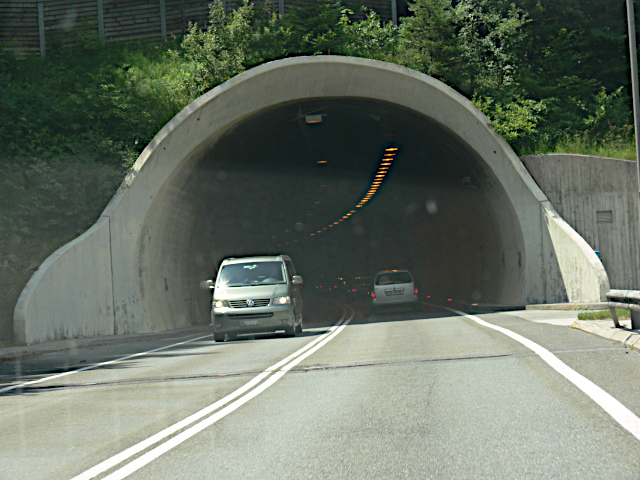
[{"x": 254, "y": 295}]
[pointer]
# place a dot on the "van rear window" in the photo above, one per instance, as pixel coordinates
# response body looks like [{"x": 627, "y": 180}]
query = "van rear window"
[{"x": 391, "y": 278}]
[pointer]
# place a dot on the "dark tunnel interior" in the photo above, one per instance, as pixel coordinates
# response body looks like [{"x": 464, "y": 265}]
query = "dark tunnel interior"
[{"x": 292, "y": 180}]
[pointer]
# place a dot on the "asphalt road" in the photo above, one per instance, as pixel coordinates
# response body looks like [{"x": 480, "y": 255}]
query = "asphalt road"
[{"x": 395, "y": 395}]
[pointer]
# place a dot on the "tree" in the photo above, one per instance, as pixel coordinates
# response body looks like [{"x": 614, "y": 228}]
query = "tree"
[{"x": 429, "y": 42}]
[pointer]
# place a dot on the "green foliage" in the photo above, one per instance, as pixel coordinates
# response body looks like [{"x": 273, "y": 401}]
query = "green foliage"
[
  {"x": 369, "y": 37},
  {"x": 490, "y": 34},
  {"x": 514, "y": 120},
  {"x": 429, "y": 42},
  {"x": 60, "y": 197},
  {"x": 79, "y": 102},
  {"x": 313, "y": 28}
]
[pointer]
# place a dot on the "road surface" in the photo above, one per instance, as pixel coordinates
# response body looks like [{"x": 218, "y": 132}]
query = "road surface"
[{"x": 398, "y": 394}]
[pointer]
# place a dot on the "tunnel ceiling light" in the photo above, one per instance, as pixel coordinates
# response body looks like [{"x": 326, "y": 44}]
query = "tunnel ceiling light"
[
  {"x": 381, "y": 172},
  {"x": 316, "y": 118}
]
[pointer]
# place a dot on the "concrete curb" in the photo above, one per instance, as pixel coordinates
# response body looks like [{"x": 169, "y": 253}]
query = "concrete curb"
[
  {"x": 569, "y": 306},
  {"x": 605, "y": 329}
]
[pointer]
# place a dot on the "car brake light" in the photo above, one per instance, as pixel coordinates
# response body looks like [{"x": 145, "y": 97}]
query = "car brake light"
[
  {"x": 415, "y": 292},
  {"x": 373, "y": 295}
]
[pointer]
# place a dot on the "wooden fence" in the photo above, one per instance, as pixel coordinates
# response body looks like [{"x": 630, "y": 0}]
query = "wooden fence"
[{"x": 28, "y": 26}]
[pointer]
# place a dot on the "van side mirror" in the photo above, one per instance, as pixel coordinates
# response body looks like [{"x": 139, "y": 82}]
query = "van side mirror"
[
  {"x": 296, "y": 280},
  {"x": 207, "y": 285}
]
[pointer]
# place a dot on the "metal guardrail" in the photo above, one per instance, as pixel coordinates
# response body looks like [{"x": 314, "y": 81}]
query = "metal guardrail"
[{"x": 627, "y": 300}]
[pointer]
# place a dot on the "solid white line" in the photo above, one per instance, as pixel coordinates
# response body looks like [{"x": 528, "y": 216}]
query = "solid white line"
[
  {"x": 102, "y": 364},
  {"x": 129, "y": 452},
  {"x": 621, "y": 414},
  {"x": 190, "y": 432}
]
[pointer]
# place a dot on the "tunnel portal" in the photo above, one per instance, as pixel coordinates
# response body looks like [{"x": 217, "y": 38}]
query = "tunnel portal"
[
  {"x": 349, "y": 166},
  {"x": 290, "y": 180}
]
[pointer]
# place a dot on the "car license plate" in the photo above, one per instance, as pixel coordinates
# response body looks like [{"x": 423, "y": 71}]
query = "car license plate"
[
  {"x": 251, "y": 322},
  {"x": 395, "y": 291}
]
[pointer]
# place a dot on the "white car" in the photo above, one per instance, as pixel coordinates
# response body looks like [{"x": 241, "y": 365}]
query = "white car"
[{"x": 394, "y": 288}]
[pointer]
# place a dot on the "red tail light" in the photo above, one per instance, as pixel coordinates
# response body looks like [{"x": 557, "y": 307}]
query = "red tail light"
[
  {"x": 373, "y": 295},
  {"x": 415, "y": 292}
]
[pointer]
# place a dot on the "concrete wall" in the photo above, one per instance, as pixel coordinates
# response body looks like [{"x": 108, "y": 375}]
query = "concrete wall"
[
  {"x": 140, "y": 260},
  {"x": 580, "y": 186},
  {"x": 70, "y": 295}
]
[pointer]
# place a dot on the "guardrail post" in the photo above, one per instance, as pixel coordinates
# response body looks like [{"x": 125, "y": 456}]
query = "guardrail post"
[
  {"x": 635, "y": 320},
  {"x": 614, "y": 315}
]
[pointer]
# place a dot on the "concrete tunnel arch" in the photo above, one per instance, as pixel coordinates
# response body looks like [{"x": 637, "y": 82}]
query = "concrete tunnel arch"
[{"x": 138, "y": 268}]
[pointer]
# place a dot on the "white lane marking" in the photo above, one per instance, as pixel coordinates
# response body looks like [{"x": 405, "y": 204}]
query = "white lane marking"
[
  {"x": 152, "y": 455},
  {"x": 621, "y": 414},
  {"x": 101, "y": 364},
  {"x": 131, "y": 451}
]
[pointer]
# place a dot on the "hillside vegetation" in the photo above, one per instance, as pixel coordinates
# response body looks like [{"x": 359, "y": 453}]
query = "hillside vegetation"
[{"x": 550, "y": 75}]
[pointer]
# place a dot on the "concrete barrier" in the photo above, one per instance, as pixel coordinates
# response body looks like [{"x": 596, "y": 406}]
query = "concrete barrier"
[
  {"x": 598, "y": 197},
  {"x": 70, "y": 295}
]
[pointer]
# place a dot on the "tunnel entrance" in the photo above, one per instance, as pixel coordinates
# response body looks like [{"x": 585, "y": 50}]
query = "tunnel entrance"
[
  {"x": 291, "y": 179},
  {"x": 289, "y": 157}
]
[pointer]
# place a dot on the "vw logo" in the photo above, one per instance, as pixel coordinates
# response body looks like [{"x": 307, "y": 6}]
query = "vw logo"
[{"x": 250, "y": 303}]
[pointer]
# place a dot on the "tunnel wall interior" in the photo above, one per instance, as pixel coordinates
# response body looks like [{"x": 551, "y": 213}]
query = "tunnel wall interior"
[{"x": 280, "y": 160}]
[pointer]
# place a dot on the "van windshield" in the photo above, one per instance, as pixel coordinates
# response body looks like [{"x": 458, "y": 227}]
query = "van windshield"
[{"x": 251, "y": 273}]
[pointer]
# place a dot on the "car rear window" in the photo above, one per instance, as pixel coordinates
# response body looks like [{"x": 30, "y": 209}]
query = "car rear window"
[{"x": 391, "y": 278}]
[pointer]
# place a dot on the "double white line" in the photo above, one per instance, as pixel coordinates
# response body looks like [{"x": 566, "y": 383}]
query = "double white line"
[{"x": 211, "y": 414}]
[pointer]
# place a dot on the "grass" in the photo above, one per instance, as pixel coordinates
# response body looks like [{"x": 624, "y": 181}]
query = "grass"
[
  {"x": 603, "y": 314},
  {"x": 616, "y": 147}
]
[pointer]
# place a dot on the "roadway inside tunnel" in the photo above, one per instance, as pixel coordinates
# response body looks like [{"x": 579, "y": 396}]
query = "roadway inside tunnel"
[{"x": 275, "y": 183}]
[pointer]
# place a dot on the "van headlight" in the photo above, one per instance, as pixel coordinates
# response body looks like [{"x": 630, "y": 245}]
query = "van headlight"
[
  {"x": 220, "y": 303},
  {"x": 281, "y": 300}
]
